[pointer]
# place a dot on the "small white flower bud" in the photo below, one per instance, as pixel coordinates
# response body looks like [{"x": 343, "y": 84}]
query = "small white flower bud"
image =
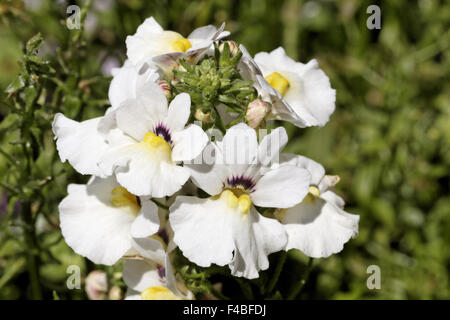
[
  {"x": 256, "y": 112},
  {"x": 234, "y": 48},
  {"x": 96, "y": 285}
]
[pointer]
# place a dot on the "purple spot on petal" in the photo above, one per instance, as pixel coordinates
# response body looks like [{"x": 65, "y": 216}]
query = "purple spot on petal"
[
  {"x": 161, "y": 272},
  {"x": 241, "y": 181},
  {"x": 162, "y": 131}
]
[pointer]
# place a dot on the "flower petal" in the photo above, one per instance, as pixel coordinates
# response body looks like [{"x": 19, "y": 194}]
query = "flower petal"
[
  {"x": 144, "y": 173},
  {"x": 209, "y": 231},
  {"x": 255, "y": 239},
  {"x": 140, "y": 275},
  {"x": 203, "y": 230},
  {"x": 91, "y": 226},
  {"x": 271, "y": 145},
  {"x": 316, "y": 170},
  {"x": 151, "y": 249},
  {"x": 188, "y": 143},
  {"x": 80, "y": 143},
  {"x": 126, "y": 82},
  {"x": 147, "y": 221},
  {"x": 206, "y": 173},
  {"x": 318, "y": 228},
  {"x": 239, "y": 148},
  {"x": 283, "y": 187},
  {"x": 179, "y": 111}
]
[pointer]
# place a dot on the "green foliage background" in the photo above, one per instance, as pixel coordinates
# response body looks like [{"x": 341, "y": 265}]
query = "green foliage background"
[{"x": 389, "y": 138}]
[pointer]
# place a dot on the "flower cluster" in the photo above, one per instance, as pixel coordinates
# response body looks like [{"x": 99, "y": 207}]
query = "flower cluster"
[{"x": 176, "y": 163}]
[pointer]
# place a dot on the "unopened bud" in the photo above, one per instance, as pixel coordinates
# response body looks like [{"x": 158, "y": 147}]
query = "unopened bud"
[
  {"x": 165, "y": 86},
  {"x": 256, "y": 112},
  {"x": 96, "y": 285},
  {"x": 203, "y": 116},
  {"x": 234, "y": 48},
  {"x": 115, "y": 293}
]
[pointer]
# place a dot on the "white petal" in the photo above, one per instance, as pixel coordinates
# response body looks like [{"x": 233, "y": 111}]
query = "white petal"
[
  {"x": 255, "y": 239},
  {"x": 91, "y": 226},
  {"x": 154, "y": 99},
  {"x": 206, "y": 173},
  {"x": 239, "y": 148},
  {"x": 271, "y": 145},
  {"x": 316, "y": 170},
  {"x": 209, "y": 231},
  {"x": 151, "y": 249},
  {"x": 126, "y": 81},
  {"x": 132, "y": 119},
  {"x": 144, "y": 43},
  {"x": 179, "y": 111},
  {"x": 203, "y": 230},
  {"x": 147, "y": 221},
  {"x": 206, "y": 32},
  {"x": 140, "y": 275},
  {"x": 123, "y": 85},
  {"x": 283, "y": 187},
  {"x": 319, "y": 228},
  {"x": 143, "y": 173},
  {"x": 137, "y": 117},
  {"x": 333, "y": 198},
  {"x": 80, "y": 143},
  {"x": 188, "y": 143}
]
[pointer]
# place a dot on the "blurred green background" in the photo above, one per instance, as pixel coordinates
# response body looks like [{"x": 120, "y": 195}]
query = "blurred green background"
[{"x": 388, "y": 140}]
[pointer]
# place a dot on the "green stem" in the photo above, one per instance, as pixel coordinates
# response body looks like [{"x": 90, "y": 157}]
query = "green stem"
[
  {"x": 159, "y": 204},
  {"x": 299, "y": 286},
  {"x": 246, "y": 289},
  {"x": 277, "y": 272},
  {"x": 36, "y": 293}
]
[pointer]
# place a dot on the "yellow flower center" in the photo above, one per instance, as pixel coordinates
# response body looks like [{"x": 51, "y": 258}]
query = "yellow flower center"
[
  {"x": 278, "y": 82},
  {"x": 181, "y": 45},
  {"x": 313, "y": 193},
  {"x": 159, "y": 147},
  {"x": 236, "y": 200},
  {"x": 121, "y": 198},
  {"x": 158, "y": 293}
]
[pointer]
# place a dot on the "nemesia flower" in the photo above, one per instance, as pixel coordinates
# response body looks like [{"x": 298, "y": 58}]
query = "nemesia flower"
[
  {"x": 299, "y": 93},
  {"x": 317, "y": 226},
  {"x": 99, "y": 219},
  {"x": 151, "y": 40},
  {"x": 226, "y": 228},
  {"x": 146, "y": 140},
  {"x": 151, "y": 275},
  {"x": 305, "y": 87}
]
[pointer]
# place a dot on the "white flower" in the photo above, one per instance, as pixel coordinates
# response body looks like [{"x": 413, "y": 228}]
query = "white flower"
[
  {"x": 146, "y": 141},
  {"x": 299, "y": 93},
  {"x": 140, "y": 142},
  {"x": 99, "y": 219},
  {"x": 226, "y": 228},
  {"x": 152, "y": 277},
  {"x": 151, "y": 40},
  {"x": 304, "y": 86},
  {"x": 317, "y": 226}
]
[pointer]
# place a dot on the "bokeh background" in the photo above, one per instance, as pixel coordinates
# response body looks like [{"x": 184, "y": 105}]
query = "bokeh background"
[{"x": 388, "y": 140}]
